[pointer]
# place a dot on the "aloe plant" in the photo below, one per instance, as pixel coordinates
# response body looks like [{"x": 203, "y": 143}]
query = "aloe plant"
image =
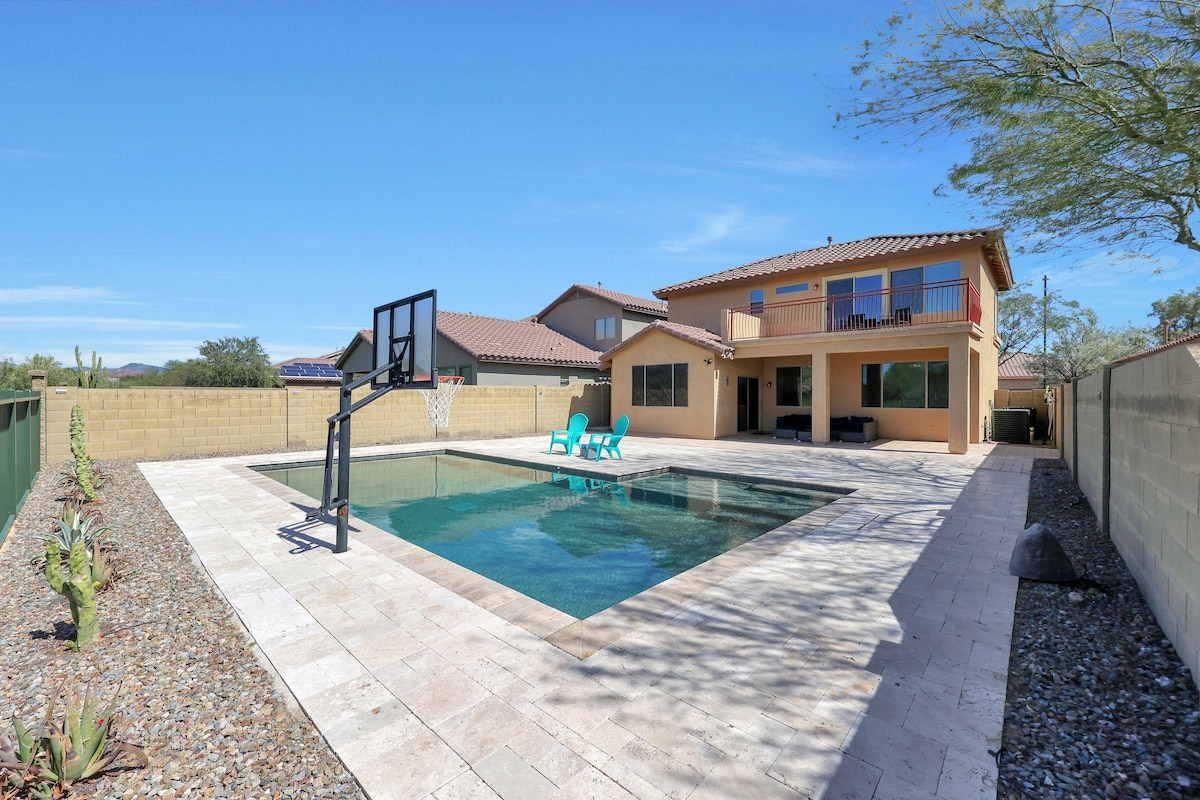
[{"x": 44, "y": 763}]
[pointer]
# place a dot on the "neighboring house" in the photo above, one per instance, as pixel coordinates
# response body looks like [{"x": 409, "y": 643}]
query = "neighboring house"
[
  {"x": 899, "y": 328},
  {"x": 1014, "y": 373},
  {"x": 319, "y": 371},
  {"x": 488, "y": 351},
  {"x": 599, "y": 317}
]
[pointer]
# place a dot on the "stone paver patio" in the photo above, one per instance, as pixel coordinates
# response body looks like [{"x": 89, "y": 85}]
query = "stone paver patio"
[{"x": 860, "y": 652}]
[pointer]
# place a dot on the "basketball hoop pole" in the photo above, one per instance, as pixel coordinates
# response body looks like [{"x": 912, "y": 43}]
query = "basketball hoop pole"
[{"x": 339, "y": 430}]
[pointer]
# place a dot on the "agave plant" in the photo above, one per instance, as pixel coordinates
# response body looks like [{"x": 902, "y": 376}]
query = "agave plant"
[
  {"x": 73, "y": 526},
  {"x": 46, "y": 762}
]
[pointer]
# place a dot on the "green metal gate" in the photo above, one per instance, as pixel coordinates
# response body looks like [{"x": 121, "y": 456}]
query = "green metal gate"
[{"x": 20, "y": 450}]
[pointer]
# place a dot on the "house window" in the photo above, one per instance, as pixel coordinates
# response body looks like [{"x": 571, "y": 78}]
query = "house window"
[
  {"x": 606, "y": 328},
  {"x": 660, "y": 385},
  {"x": 564, "y": 377},
  {"x": 931, "y": 299},
  {"x": 793, "y": 386},
  {"x": 756, "y": 301},
  {"x": 906, "y": 384},
  {"x": 464, "y": 370},
  {"x": 795, "y": 287}
]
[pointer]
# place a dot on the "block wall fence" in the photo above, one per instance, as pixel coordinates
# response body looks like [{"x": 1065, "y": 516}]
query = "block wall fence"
[
  {"x": 1131, "y": 435},
  {"x": 144, "y": 422}
]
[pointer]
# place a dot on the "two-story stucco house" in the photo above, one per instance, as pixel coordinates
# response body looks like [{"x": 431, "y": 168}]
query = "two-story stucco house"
[
  {"x": 902, "y": 329},
  {"x": 600, "y": 318}
]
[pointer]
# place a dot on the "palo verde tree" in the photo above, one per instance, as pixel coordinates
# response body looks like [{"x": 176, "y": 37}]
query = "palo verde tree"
[
  {"x": 1024, "y": 317},
  {"x": 232, "y": 361},
  {"x": 1079, "y": 345},
  {"x": 1179, "y": 314},
  {"x": 1082, "y": 117}
]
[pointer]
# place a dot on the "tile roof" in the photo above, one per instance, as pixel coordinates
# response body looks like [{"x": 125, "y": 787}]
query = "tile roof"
[
  {"x": 492, "y": 339},
  {"x": 992, "y": 240},
  {"x": 1183, "y": 340},
  {"x": 626, "y": 301},
  {"x": 688, "y": 333},
  {"x": 1017, "y": 366}
]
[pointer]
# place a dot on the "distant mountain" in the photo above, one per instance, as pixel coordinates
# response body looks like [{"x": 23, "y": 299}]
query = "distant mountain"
[{"x": 132, "y": 369}]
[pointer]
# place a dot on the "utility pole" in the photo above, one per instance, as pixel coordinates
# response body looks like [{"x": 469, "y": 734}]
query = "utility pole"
[{"x": 1045, "y": 310}]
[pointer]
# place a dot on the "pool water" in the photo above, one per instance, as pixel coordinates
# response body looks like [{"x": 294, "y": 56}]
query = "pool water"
[{"x": 577, "y": 544}]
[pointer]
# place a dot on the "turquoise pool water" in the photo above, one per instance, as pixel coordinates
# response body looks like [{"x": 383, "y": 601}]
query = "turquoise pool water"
[{"x": 577, "y": 544}]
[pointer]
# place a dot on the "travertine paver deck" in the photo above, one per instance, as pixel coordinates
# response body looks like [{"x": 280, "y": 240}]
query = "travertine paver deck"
[{"x": 864, "y": 656}]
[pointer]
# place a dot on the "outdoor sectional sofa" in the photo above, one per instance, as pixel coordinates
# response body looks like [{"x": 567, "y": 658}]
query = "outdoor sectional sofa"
[{"x": 845, "y": 429}]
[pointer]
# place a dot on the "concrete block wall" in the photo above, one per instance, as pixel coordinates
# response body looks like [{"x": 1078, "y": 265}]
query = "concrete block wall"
[
  {"x": 144, "y": 422},
  {"x": 1146, "y": 488}
]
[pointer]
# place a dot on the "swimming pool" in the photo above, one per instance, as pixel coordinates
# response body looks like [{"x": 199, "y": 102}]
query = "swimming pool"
[{"x": 575, "y": 543}]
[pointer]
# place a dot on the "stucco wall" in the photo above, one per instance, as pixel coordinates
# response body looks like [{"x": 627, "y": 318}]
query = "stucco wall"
[
  {"x": 697, "y": 419},
  {"x": 144, "y": 422},
  {"x": 1150, "y": 503},
  {"x": 576, "y": 318}
]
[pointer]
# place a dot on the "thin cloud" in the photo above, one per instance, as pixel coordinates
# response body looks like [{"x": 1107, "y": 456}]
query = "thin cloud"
[
  {"x": 114, "y": 323},
  {"x": 713, "y": 228},
  {"x": 60, "y": 294},
  {"x": 767, "y": 155}
]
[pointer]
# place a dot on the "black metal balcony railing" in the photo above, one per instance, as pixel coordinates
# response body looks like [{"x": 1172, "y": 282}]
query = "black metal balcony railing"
[{"x": 897, "y": 307}]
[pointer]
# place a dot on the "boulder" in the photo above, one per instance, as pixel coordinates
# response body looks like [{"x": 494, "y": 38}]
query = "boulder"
[{"x": 1039, "y": 557}]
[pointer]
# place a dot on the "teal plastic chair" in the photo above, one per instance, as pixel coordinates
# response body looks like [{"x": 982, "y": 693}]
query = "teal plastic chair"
[
  {"x": 609, "y": 442},
  {"x": 569, "y": 438}
]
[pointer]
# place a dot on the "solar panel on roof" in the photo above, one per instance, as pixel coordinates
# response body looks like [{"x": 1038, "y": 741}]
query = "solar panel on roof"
[{"x": 305, "y": 369}]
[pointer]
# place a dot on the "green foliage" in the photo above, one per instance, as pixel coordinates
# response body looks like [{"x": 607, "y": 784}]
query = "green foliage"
[
  {"x": 77, "y": 586},
  {"x": 16, "y": 376},
  {"x": 1023, "y": 316},
  {"x": 1081, "y": 116},
  {"x": 44, "y": 762},
  {"x": 84, "y": 477},
  {"x": 1179, "y": 313},
  {"x": 232, "y": 362},
  {"x": 69, "y": 480},
  {"x": 96, "y": 377},
  {"x": 1080, "y": 346},
  {"x": 73, "y": 526}
]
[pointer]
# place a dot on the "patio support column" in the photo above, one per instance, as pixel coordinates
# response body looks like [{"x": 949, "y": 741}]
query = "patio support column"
[
  {"x": 959, "y": 434},
  {"x": 820, "y": 397}
]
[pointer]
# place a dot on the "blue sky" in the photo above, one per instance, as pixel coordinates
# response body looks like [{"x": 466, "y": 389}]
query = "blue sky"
[{"x": 176, "y": 172}]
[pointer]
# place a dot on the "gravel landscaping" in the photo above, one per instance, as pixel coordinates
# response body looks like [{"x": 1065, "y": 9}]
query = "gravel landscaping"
[
  {"x": 190, "y": 690},
  {"x": 1099, "y": 705}
]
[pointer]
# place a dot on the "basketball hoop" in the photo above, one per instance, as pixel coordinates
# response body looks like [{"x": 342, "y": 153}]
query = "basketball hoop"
[{"x": 439, "y": 400}]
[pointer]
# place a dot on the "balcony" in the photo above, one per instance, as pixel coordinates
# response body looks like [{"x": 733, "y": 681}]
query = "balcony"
[{"x": 897, "y": 308}]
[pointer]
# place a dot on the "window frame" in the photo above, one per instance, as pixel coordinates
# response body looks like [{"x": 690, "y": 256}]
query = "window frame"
[
  {"x": 659, "y": 385},
  {"x": 798, "y": 385},
  {"x": 605, "y": 328}
]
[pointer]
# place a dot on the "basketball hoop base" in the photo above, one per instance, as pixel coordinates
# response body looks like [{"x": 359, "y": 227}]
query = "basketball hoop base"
[{"x": 439, "y": 400}]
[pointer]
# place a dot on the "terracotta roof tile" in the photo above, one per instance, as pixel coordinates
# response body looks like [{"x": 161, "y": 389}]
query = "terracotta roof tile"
[
  {"x": 688, "y": 333},
  {"x": 991, "y": 239},
  {"x": 627, "y": 301},
  {"x": 1017, "y": 366},
  {"x": 521, "y": 341},
  {"x": 492, "y": 339}
]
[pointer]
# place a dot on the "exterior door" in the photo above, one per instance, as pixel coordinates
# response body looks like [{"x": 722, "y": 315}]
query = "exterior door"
[{"x": 747, "y": 412}]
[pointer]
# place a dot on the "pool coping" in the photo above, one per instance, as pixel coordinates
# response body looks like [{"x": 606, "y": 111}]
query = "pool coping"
[{"x": 580, "y": 638}]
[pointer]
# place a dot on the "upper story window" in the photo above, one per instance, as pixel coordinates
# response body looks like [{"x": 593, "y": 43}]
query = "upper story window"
[
  {"x": 932, "y": 298},
  {"x": 606, "y": 328},
  {"x": 795, "y": 287},
  {"x": 756, "y": 301}
]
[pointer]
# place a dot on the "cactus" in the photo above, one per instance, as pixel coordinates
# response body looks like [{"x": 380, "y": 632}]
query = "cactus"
[
  {"x": 83, "y": 464},
  {"x": 101, "y": 570},
  {"x": 76, "y": 586},
  {"x": 95, "y": 379}
]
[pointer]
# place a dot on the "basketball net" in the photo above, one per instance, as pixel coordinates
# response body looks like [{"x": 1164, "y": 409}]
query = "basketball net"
[{"x": 439, "y": 400}]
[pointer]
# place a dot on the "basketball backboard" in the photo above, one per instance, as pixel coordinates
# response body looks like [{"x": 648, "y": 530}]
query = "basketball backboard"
[{"x": 406, "y": 331}]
